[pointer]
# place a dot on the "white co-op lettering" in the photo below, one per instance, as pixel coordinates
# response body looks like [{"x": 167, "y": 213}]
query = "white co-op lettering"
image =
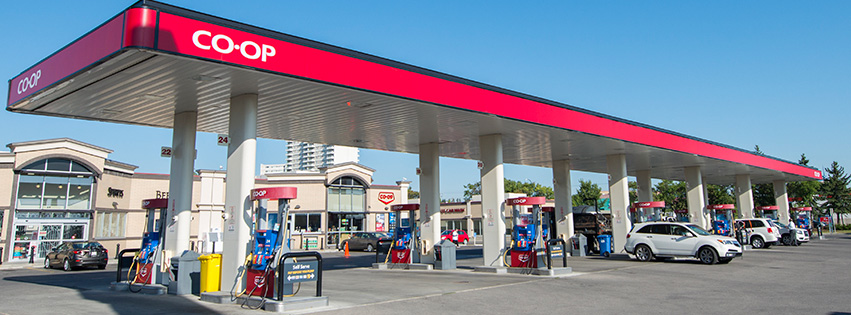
[
  {"x": 29, "y": 82},
  {"x": 225, "y": 45}
]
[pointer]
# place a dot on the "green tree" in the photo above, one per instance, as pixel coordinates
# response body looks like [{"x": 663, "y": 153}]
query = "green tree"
[
  {"x": 834, "y": 191},
  {"x": 633, "y": 192},
  {"x": 763, "y": 194},
  {"x": 588, "y": 194},
  {"x": 720, "y": 194},
  {"x": 803, "y": 193},
  {"x": 471, "y": 190},
  {"x": 673, "y": 193},
  {"x": 413, "y": 194},
  {"x": 531, "y": 189}
]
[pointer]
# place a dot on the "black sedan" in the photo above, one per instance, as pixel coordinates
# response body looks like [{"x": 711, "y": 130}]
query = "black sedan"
[
  {"x": 367, "y": 241},
  {"x": 74, "y": 255}
]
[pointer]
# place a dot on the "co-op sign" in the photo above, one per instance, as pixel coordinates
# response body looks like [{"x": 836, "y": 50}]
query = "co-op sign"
[{"x": 225, "y": 45}]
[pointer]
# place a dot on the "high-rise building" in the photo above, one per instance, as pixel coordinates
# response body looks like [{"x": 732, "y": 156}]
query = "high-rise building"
[{"x": 310, "y": 157}]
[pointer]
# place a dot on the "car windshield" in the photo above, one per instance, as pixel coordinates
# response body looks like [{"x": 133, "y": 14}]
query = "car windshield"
[
  {"x": 698, "y": 230},
  {"x": 446, "y": 232},
  {"x": 781, "y": 225}
]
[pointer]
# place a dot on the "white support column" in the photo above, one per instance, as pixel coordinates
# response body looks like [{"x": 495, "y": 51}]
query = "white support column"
[
  {"x": 695, "y": 196},
  {"x": 180, "y": 183},
  {"x": 619, "y": 197},
  {"x": 429, "y": 199},
  {"x": 781, "y": 199},
  {"x": 564, "y": 202},
  {"x": 645, "y": 186},
  {"x": 493, "y": 199},
  {"x": 707, "y": 216},
  {"x": 744, "y": 195},
  {"x": 242, "y": 155}
]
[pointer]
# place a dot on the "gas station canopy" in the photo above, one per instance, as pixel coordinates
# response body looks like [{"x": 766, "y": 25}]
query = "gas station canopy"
[{"x": 154, "y": 60}]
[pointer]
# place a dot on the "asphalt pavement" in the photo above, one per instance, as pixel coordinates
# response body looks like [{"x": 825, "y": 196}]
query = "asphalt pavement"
[{"x": 812, "y": 279}]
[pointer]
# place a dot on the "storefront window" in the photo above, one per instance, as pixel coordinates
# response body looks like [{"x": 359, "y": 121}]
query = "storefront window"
[
  {"x": 308, "y": 222},
  {"x": 29, "y": 191},
  {"x": 79, "y": 191},
  {"x": 346, "y": 194},
  {"x": 55, "y": 184},
  {"x": 74, "y": 232},
  {"x": 110, "y": 224},
  {"x": 55, "y": 192}
]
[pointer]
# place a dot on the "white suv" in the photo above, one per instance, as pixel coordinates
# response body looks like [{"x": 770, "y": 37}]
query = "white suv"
[
  {"x": 790, "y": 235},
  {"x": 762, "y": 232},
  {"x": 674, "y": 239}
]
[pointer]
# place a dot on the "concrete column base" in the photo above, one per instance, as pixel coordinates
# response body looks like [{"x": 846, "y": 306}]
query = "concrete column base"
[
  {"x": 391, "y": 266},
  {"x": 149, "y": 289}
]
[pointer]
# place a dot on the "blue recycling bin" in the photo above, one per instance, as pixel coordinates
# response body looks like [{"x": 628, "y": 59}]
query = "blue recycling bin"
[{"x": 605, "y": 242}]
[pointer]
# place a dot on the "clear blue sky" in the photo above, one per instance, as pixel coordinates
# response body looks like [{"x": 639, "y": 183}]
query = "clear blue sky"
[{"x": 772, "y": 73}]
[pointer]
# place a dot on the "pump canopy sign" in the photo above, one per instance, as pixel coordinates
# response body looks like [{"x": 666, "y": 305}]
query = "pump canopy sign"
[{"x": 168, "y": 31}]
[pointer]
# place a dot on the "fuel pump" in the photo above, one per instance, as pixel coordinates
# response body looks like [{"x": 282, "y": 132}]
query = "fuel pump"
[
  {"x": 681, "y": 215},
  {"x": 803, "y": 218},
  {"x": 270, "y": 231},
  {"x": 526, "y": 237},
  {"x": 722, "y": 215},
  {"x": 768, "y": 212},
  {"x": 148, "y": 260},
  {"x": 404, "y": 250},
  {"x": 648, "y": 210},
  {"x": 548, "y": 219}
]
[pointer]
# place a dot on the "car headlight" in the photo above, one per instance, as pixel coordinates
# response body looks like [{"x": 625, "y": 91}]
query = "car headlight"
[{"x": 728, "y": 242}]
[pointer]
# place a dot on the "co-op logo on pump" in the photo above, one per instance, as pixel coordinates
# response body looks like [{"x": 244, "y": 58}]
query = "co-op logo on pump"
[
  {"x": 258, "y": 193},
  {"x": 29, "y": 82},
  {"x": 225, "y": 45}
]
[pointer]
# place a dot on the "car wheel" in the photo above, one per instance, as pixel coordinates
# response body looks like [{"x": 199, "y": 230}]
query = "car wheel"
[
  {"x": 757, "y": 242},
  {"x": 643, "y": 253},
  {"x": 101, "y": 266},
  {"x": 707, "y": 255},
  {"x": 786, "y": 240},
  {"x": 46, "y": 263},
  {"x": 369, "y": 247},
  {"x": 66, "y": 265},
  {"x": 465, "y": 242}
]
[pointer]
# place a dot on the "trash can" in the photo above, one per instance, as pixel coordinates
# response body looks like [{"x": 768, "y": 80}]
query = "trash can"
[
  {"x": 444, "y": 255},
  {"x": 211, "y": 272},
  {"x": 578, "y": 245},
  {"x": 605, "y": 242},
  {"x": 186, "y": 269}
]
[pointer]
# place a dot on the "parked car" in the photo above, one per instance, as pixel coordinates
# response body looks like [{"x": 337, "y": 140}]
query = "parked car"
[
  {"x": 73, "y": 255},
  {"x": 367, "y": 241},
  {"x": 763, "y": 233},
  {"x": 456, "y": 236},
  {"x": 787, "y": 232},
  {"x": 673, "y": 239}
]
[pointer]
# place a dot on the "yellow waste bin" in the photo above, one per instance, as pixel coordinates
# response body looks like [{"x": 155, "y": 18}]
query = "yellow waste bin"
[{"x": 211, "y": 272}]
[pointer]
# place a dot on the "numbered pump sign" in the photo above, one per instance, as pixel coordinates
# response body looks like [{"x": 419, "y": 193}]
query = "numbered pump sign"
[
  {"x": 165, "y": 152},
  {"x": 222, "y": 140}
]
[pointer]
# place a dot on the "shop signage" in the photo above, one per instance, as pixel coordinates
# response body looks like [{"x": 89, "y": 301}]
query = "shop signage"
[
  {"x": 452, "y": 210},
  {"x": 301, "y": 271},
  {"x": 115, "y": 193},
  {"x": 386, "y": 197}
]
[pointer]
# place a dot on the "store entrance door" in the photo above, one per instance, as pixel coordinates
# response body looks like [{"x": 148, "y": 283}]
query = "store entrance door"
[{"x": 42, "y": 235}]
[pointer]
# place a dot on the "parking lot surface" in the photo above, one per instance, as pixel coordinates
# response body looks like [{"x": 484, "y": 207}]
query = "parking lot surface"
[{"x": 811, "y": 279}]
